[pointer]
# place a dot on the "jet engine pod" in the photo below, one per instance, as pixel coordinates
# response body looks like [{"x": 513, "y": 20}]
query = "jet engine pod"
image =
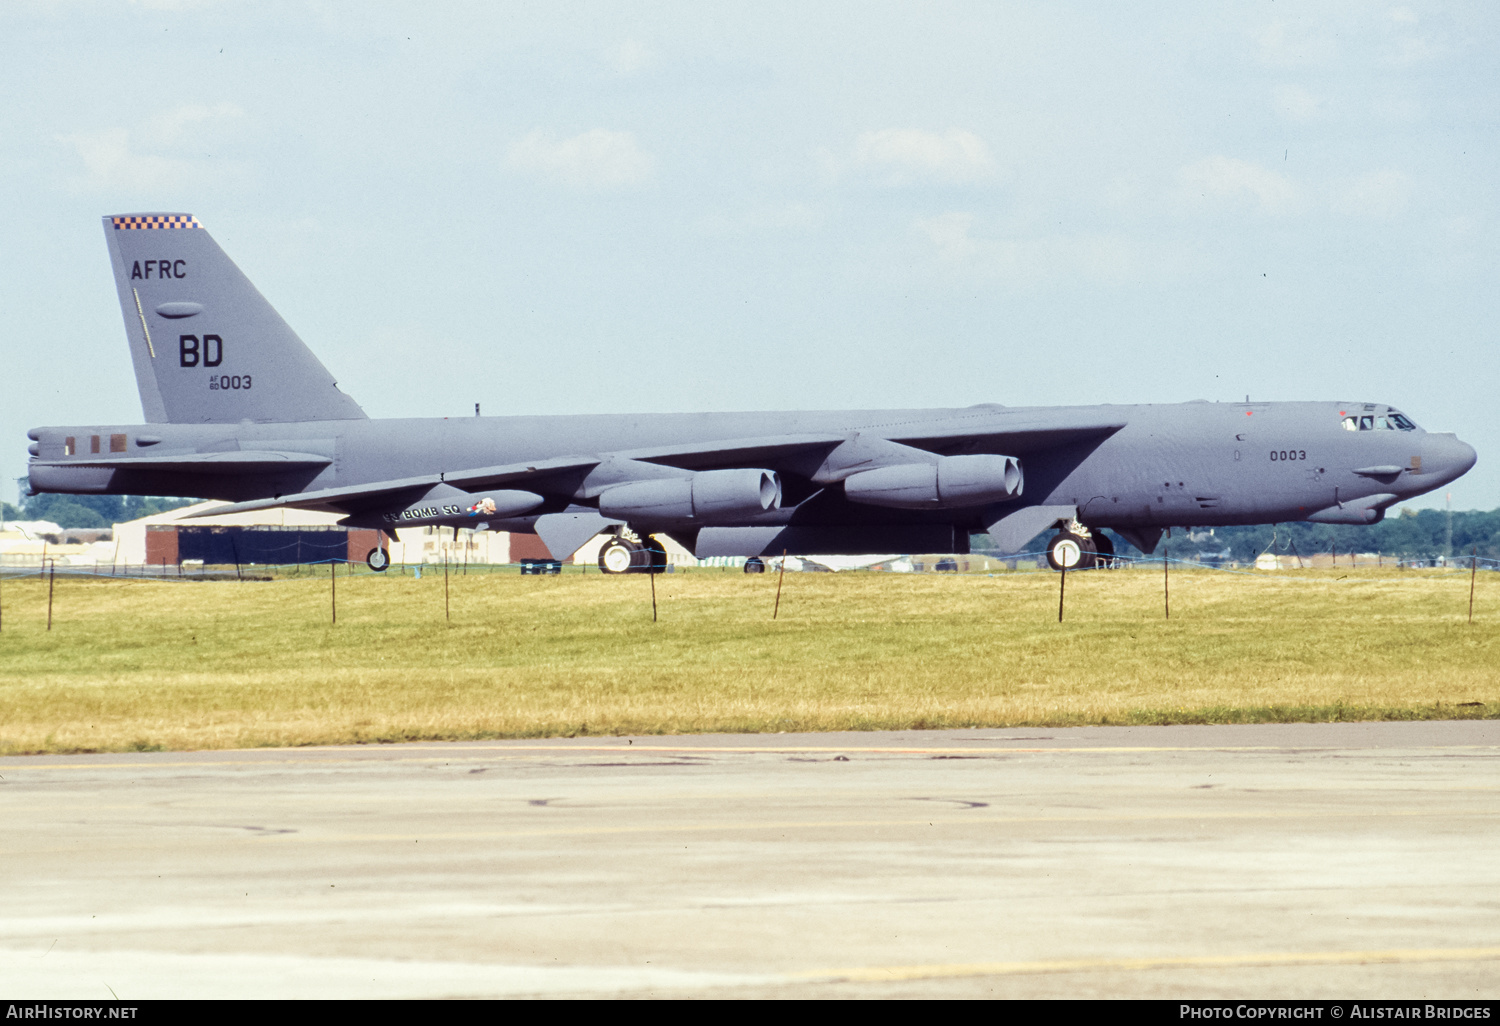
[
  {"x": 710, "y": 496},
  {"x": 445, "y": 505},
  {"x": 951, "y": 482}
]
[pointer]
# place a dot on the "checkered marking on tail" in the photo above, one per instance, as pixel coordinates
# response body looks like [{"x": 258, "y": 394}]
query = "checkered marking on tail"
[{"x": 157, "y": 221}]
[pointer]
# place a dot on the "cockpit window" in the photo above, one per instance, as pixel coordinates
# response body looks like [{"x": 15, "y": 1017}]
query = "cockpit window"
[{"x": 1388, "y": 421}]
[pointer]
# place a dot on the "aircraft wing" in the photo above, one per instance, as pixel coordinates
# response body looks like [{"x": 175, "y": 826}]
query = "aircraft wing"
[
  {"x": 1015, "y": 438},
  {"x": 342, "y": 500},
  {"x": 982, "y": 431},
  {"x": 769, "y": 451},
  {"x": 733, "y": 452}
]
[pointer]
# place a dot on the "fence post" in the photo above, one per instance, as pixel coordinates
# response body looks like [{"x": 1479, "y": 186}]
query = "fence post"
[
  {"x": 1166, "y": 582},
  {"x": 1473, "y": 570},
  {"x": 1062, "y": 590},
  {"x": 779, "y": 577},
  {"x": 51, "y": 580},
  {"x": 333, "y": 588}
]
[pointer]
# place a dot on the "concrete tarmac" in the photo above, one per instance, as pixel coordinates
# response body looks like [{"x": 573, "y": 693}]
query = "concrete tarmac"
[{"x": 1302, "y": 860}]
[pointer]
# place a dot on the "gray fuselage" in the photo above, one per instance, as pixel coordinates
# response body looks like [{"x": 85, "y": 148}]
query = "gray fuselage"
[{"x": 1142, "y": 467}]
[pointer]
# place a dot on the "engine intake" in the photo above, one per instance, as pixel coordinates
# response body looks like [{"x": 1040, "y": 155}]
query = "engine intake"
[
  {"x": 951, "y": 482},
  {"x": 709, "y": 496}
]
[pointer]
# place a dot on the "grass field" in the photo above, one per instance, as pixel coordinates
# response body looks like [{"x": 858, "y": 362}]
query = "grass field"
[{"x": 135, "y": 665}]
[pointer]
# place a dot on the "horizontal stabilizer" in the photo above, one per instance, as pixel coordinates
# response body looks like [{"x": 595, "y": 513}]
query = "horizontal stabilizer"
[{"x": 234, "y": 462}]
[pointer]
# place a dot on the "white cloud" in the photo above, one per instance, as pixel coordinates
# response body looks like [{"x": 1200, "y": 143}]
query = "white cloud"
[
  {"x": 1226, "y": 178},
  {"x": 1379, "y": 194},
  {"x": 119, "y": 158},
  {"x": 111, "y": 163},
  {"x": 1400, "y": 111},
  {"x": 1298, "y": 104},
  {"x": 949, "y": 235},
  {"x": 629, "y": 56},
  {"x": 906, "y": 155},
  {"x": 1407, "y": 46},
  {"x": 1288, "y": 45},
  {"x": 597, "y": 159},
  {"x": 169, "y": 127},
  {"x": 762, "y": 220},
  {"x": 1028, "y": 262}
]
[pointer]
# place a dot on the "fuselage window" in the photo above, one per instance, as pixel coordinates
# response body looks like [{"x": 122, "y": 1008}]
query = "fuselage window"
[
  {"x": 1351, "y": 423},
  {"x": 1366, "y": 423},
  {"x": 1399, "y": 419}
]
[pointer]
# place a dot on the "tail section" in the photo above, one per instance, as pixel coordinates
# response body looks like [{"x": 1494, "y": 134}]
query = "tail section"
[{"x": 207, "y": 347}]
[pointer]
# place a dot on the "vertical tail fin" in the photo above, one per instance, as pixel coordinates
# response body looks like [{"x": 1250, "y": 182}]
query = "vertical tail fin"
[{"x": 207, "y": 347}]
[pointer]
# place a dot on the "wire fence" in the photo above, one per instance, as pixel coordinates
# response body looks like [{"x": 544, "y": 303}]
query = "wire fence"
[{"x": 1018, "y": 564}]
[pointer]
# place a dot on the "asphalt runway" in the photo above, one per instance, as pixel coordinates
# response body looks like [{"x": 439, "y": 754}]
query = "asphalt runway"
[{"x": 1304, "y": 860}]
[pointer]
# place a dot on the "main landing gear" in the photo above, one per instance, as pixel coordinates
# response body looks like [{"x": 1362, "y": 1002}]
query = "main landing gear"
[
  {"x": 1075, "y": 547},
  {"x": 1104, "y": 556},
  {"x": 631, "y": 553},
  {"x": 1068, "y": 551}
]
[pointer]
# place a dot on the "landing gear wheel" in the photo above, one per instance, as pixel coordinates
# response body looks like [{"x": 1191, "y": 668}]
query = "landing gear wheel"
[
  {"x": 622, "y": 556},
  {"x": 656, "y": 553},
  {"x": 754, "y": 565},
  {"x": 1067, "y": 551},
  {"x": 1105, "y": 549},
  {"x": 378, "y": 559}
]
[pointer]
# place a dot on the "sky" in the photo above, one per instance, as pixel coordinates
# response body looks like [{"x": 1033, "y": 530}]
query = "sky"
[{"x": 616, "y": 207}]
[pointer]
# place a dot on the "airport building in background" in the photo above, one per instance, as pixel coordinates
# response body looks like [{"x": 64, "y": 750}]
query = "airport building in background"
[{"x": 269, "y": 537}]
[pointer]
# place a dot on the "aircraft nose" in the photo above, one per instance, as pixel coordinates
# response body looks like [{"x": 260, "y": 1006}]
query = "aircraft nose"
[{"x": 1447, "y": 457}]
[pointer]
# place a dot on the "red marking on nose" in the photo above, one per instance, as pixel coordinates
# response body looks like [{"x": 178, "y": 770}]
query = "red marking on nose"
[{"x": 1248, "y": 413}]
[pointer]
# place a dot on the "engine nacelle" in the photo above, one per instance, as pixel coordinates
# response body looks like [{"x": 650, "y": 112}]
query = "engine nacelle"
[
  {"x": 709, "y": 496},
  {"x": 951, "y": 482}
]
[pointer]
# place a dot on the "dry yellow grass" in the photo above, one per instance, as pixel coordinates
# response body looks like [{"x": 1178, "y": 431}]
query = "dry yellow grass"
[{"x": 136, "y": 665}]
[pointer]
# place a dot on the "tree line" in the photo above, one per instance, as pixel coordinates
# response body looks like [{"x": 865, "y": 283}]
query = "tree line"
[
  {"x": 89, "y": 511},
  {"x": 1411, "y": 534}
]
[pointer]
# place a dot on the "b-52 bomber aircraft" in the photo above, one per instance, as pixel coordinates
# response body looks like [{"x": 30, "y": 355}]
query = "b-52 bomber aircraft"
[{"x": 237, "y": 408}]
